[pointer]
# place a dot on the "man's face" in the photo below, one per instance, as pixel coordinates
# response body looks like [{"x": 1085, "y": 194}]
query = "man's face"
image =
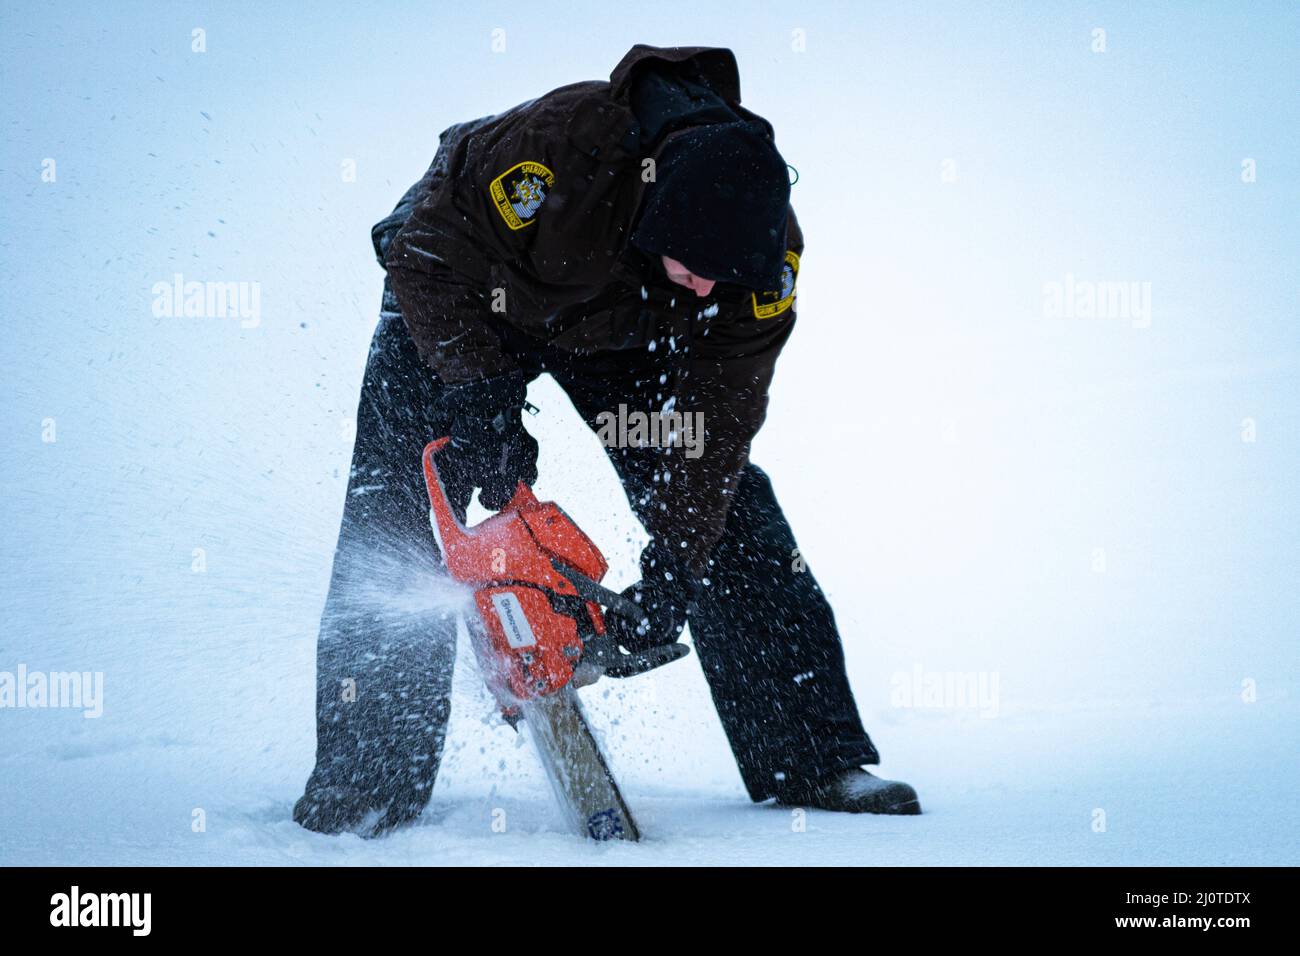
[{"x": 685, "y": 277}]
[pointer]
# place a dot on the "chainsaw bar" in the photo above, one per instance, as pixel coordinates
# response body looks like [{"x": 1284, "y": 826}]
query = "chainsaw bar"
[{"x": 575, "y": 767}]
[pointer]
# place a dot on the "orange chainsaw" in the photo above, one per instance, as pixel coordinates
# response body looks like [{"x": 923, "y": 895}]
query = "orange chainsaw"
[{"x": 540, "y": 634}]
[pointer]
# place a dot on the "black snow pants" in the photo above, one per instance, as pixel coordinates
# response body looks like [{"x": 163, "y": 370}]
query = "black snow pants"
[{"x": 765, "y": 636}]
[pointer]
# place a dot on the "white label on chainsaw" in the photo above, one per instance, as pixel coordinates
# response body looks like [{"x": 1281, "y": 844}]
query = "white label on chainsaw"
[{"x": 513, "y": 620}]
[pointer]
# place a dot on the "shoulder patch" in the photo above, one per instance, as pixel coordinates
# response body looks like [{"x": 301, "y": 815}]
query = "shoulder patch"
[
  {"x": 520, "y": 191},
  {"x": 771, "y": 304}
]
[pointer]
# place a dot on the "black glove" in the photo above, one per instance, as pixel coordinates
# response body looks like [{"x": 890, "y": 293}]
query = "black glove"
[
  {"x": 490, "y": 449},
  {"x": 663, "y": 594}
]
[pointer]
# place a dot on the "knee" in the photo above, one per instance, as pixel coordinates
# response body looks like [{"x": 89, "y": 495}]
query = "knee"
[{"x": 755, "y": 504}]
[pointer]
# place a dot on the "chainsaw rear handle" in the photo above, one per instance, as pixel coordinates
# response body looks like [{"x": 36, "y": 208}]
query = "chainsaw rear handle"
[{"x": 451, "y": 528}]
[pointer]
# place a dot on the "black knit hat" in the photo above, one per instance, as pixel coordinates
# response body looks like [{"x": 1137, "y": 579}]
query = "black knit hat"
[{"x": 719, "y": 205}]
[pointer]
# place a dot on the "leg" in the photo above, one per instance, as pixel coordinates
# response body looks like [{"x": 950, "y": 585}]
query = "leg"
[
  {"x": 383, "y": 673},
  {"x": 770, "y": 649},
  {"x": 765, "y": 633}
]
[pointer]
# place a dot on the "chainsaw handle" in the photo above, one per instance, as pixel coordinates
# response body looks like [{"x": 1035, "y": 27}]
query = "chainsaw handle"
[
  {"x": 597, "y": 593},
  {"x": 446, "y": 526},
  {"x": 522, "y": 498}
]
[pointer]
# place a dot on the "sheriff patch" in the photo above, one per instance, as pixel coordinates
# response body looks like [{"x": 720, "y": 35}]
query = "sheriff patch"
[
  {"x": 520, "y": 191},
  {"x": 771, "y": 304}
]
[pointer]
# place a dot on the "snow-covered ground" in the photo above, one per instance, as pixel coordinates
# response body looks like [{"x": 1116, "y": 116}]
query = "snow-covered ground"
[
  {"x": 1180, "y": 782},
  {"x": 1096, "y": 518}
]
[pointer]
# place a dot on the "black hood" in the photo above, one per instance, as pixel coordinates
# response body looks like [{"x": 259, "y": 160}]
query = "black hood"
[
  {"x": 669, "y": 97},
  {"x": 719, "y": 204}
]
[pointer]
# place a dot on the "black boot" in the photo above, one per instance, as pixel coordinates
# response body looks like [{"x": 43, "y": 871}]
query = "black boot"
[
  {"x": 853, "y": 791},
  {"x": 329, "y": 811}
]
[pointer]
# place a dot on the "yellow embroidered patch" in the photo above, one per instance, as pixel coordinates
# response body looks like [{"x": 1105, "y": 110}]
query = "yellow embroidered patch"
[
  {"x": 520, "y": 191},
  {"x": 774, "y": 303}
]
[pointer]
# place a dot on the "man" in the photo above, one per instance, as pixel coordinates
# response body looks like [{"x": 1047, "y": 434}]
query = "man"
[{"x": 634, "y": 240}]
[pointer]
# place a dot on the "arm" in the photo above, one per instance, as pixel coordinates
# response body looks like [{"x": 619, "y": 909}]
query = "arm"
[
  {"x": 725, "y": 392},
  {"x": 726, "y": 386},
  {"x": 444, "y": 266},
  {"x": 450, "y": 255}
]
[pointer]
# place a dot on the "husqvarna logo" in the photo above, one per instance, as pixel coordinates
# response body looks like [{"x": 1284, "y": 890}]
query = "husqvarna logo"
[{"x": 519, "y": 633}]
